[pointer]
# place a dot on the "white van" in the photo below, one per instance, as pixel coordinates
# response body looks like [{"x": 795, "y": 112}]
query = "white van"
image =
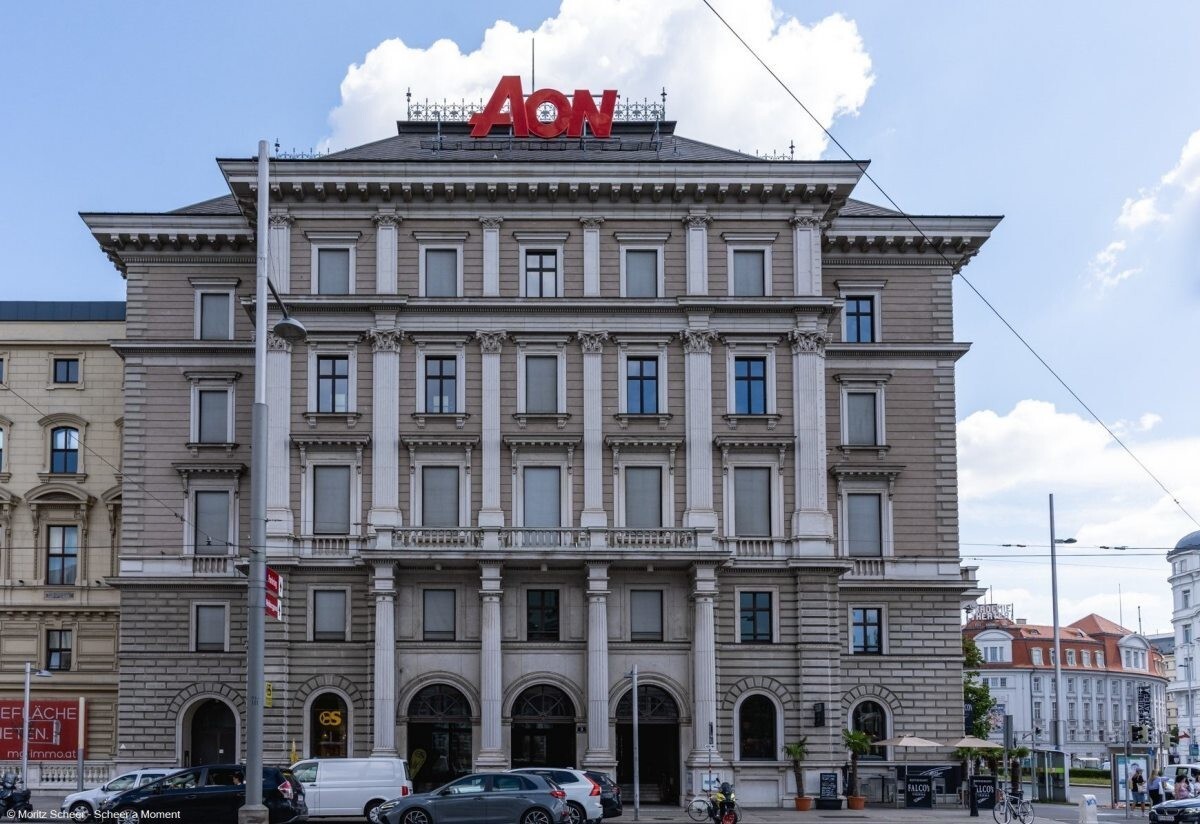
[{"x": 351, "y": 786}]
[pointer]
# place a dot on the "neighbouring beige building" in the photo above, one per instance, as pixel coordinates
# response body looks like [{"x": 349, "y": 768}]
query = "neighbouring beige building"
[
  {"x": 566, "y": 407},
  {"x": 61, "y": 408}
]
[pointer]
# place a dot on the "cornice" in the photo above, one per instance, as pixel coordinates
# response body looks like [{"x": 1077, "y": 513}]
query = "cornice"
[
  {"x": 885, "y": 351},
  {"x": 176, "y": 347}
]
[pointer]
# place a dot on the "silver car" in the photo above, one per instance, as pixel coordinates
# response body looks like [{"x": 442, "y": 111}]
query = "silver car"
[
  {"x": 483, "y": 798},
  {"x": 81, "y": 806}
]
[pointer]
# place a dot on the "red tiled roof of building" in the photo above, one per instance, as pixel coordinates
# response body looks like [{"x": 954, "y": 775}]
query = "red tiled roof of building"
[{"x": 1099, "y": 625}]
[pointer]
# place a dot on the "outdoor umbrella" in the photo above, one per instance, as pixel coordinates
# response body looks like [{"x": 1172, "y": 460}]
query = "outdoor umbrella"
[
  {"x": 908, "y": 741},
  {"x": 972, "y": 743}
]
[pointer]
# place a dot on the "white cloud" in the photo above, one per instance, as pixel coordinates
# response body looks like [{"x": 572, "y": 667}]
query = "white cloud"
[
  {"x": 1103, "y": 267},
  {"x": 715, "y": 89},
  {"x": 1138, "y": 213},
  {"x": 1186, "y": 173}
]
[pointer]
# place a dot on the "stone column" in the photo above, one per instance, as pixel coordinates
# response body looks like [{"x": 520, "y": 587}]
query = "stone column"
[
  {"x": 385, "y": 515},
  {"x": 599, "y": 755},
  {"x": 591, "y": 255},
  {"x": 491, "y": 683},
  {"x": 279, "y": 250},
  {"x": 697, "y": 348},
  {"x": 279, "y": 446},
  {"x": 490, "y": 346},
  {"x": 593, "y": 514},
  {"x": 384, "y": 697},
  {"x": 697, "y": 252},
  {"x": 806, "y": 255},
  {"x": 704, "y": 673},
  {"x": 491, "y": 256},
  {"x": 812, "y": 525},
  {"x": 386, "y": 247}
]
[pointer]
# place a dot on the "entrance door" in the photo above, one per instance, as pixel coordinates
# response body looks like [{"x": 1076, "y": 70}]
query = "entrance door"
[
  {"x": 213, "y": 733},
  {"x": 439, "y": 737},
  {"x": 543, "y": 728},
  {"x": 658, "y": 746}
]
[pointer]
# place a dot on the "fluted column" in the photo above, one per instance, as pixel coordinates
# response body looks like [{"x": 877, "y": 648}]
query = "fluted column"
[
  {"x": 384, "y": 722},
  {"x": 279, "y": 250},
  {"x": 811, "y": 522},
  {"x": 591, "y": 255},
  {"x": 491, "y": 750},
  {"x": 704, "y": 671},
  {"x": 697, "y": 348},
  {"x": 490, "y": 346},
  {"x": 806, "y": 254},
  {"x": 593, "y": 514},
  {"x": 279, "y": 446},
  {"x": 385, "y": 515},
  {"x": 697, "y": 252},
  {"x": 491, "y": 255},
  {"x": 386, "y": 246},
  {"x": 599, "y": 753}
]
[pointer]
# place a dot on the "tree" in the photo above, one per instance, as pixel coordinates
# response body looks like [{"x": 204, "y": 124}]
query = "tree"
[{"x": 976, "y": 694}]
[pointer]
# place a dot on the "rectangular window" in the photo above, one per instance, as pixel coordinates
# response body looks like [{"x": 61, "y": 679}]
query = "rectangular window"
[
  {"x": 64, "y": 450},
  {"x": 643, "y": 497},
  {"x": 1070, "y": 658},
  {"x": 1, "y": 450},
  {"x": 1087, "y": 658},
  {"x": 868, "y": 630},
  {"x": 333, "y": 383},
  {"x": 439, "y": 615},
  {"x": 210, "y": 628},
  {"x": 214, "y": 316},
  {"x": 864, "y": 533},
  {"x": 63, "y": 555},
  {"x": 439, "y": 496},
  {"x": 1187, "y": 598},
  {"x": 645, "y": 615},
  {"x": 329, "y": 615},
  {"x": 541, "y": 615},
  {"x": 1100, "y": 659},
  {"x": 641, "y": 386},
  {"x": 58, "y": 650},
  {"x": 541, "y": 273},
  {"x": 2, "y": 364},
  {"x": 541, "y": 384},
  {"x": 213, "y": 406},
  {"x": 750, "y": 386},
  {"x": 861, "y": 427},
  {"x": 1187, "y": 633},
  {"x": 860, "y": 319},
  {"x": 333, "y": 271},
  {"x": 754, "y": 618},
  {"x": 749, "y": 272},
  {"x": 751, "y": 501},
  {"x": 641, "y": 273},
  {"x": 542, "y": 497},
  {"x": 1037, "y": 684},
  {"x": 1070, "y": 710},
  {"x": 1037, "y": 656},
  {"x": 441, "y": 273},
  {"x": 211, "y": 524},
  {"x": 331, "y": 500},
  {"x": 1070, "y": 685},
  {"x": 441, "y": 385},
  {"x": 66, "y": 370},
  {"x": 1037, "y": 710}
]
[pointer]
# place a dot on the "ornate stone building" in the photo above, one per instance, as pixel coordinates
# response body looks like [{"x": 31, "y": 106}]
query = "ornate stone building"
[{"x": 566, "y": 407}]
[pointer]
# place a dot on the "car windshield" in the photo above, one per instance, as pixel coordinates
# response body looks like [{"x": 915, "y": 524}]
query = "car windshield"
[
  {"x": 121, "y": 782},
  {"x": 307, "y": 773},
  {"x": 470, "y": 784},
  {"x": 184, "y": 780}
]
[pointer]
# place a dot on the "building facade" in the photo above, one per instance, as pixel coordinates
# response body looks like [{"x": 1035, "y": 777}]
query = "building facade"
[
  {"x": 1112, "y": 679},
  {"x": 61, "y": 410},
  {"x": 1185, "y": 590},
  {"x": 566, "y": 407}
]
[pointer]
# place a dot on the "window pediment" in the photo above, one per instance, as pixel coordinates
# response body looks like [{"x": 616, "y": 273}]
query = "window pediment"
[
  {"x": 63, "y": 419},
  {"x": 58, "y": 494}
]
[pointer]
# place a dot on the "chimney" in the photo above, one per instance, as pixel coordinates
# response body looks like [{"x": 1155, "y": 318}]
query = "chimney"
[{"x": 1020, "y": 622}]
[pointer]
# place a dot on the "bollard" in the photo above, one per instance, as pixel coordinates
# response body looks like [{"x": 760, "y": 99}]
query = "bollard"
[{"x": 1088, "y": 813}]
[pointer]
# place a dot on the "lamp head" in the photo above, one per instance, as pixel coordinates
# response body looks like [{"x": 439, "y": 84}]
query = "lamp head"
[
  {"x": 291, "y": 330},
  {"x": 1064, "y": 540}
]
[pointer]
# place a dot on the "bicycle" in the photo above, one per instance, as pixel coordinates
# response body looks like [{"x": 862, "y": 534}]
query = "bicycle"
[
  {"x": 1012, "y": 807},
  {"x": 698, "y": 807}
]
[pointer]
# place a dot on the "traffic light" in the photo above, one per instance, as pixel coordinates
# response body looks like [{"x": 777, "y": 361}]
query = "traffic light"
[
  {"x": 1174, "y": 736},
  {"x": 1137, "y": 734}
]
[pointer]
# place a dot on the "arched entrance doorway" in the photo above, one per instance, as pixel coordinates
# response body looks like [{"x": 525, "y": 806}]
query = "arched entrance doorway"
[
  {"x": 543, "y": 728},
  {"x": 328, "y": 727},
  {"x": 211, "y": 734},
  {"x": 439, "y": 736},
  {"x": 658, "y": 745}
]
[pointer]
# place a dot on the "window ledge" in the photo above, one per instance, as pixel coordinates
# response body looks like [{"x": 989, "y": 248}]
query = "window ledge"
[
  {"x": 624, "y": 418},
  {"x": 196, "y": 447},
  {"x": 880, "y": 450},
  {"x": 46, "y": 477},
  {"x": 559, "y": 418},
  {"x": 77, "y": 385},
  {"x": 5, "y": 477},
  {"x": 314, "y": 418},
  {"x": 459, "y": 418},
  {"x": 734, "y": 420}
]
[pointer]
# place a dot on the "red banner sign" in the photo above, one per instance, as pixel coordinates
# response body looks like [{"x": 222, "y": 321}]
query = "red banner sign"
[
  {"x": 53, "y": 730},
  {"x": 274, "y": 591},
  {"x": 570, "y": 115}
]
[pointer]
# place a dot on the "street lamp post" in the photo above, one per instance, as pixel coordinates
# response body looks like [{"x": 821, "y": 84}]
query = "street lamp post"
[
  {"x": 25, "y": 721},
  {"x": 1059, "y": 736}
]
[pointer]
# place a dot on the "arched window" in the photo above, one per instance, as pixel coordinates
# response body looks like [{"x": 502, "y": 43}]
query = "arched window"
[
  {"x": 756, "y": 729},
  {"x": 64, "y": 450},
  {"x": 871, "y": 718},
  {"x": 328, "y": 725}
]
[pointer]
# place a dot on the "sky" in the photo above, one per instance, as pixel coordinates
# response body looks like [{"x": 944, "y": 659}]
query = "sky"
[{"x": 1077, "y": 121}]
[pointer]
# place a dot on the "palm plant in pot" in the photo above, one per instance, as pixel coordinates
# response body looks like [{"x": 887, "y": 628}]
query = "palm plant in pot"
[
  {"x": 858, "y": 743},
  {"x": 796, "y": 752}
]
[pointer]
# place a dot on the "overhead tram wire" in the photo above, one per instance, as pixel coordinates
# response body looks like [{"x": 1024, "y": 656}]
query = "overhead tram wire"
[{"x": 957, "y": 270}]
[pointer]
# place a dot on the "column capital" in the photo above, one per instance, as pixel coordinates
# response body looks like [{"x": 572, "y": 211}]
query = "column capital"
[
  {"x": 592, "y": 342},
  {"x": 697, "y": 340},
  {"x": 386, "y": 219},
  {"x": 591, "y": 222},
  {"x": 490, "y": 342},
  {"x": 277, "y": 344},
  {"x": 491, "y": 221},
  {"x": 384, "y": 340},
  {"x": 806, "y": 222},
  {"x": 807, "y": 342},
  {"x": 697, "y": 220},
  {"x": 281, "y": 219}
]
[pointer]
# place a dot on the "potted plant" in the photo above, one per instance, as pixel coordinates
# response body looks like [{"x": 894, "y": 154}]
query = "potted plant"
[
  {"x": 796, "y": 752},
  {"x": 859, "y": 743}
]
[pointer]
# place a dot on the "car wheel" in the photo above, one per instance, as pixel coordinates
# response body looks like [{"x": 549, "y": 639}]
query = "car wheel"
[
  {"x": 80, "y": 811},
  {"x": 578, "y": 816},
  {"x": 128, "y": 816},
  {"x": 371, "y": 811},
  {"x": 417, "y": 816},
  {"x": 536, "y": 816}
]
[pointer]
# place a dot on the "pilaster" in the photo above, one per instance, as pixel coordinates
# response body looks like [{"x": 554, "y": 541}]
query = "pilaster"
[
  {"x": 491, "y": 344},
  {"x": 599, "y": 754},
  {"x": 591, "y": 255},
  {"x": 385, "y": 515},
  {"x": 704, "y": 676},
  {"x": 386, "y": 248},
  {"x": 697, "y": 252},
  {"x": 279, "y": 249},
  {"x": 593, "y": 514},
  {"x": 384, "y": 696},
  {"x": 806, "y": 254},
  {"x": 279, "y": 446},
  {"x": 811, "y": 520},
  {"x": 697, "y": 348},
  {"x": 491, "y": 750},
  {"x": 491, "y": 256}
]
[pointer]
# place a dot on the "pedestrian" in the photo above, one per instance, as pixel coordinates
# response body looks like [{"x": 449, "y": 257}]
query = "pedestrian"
[
  {"x": 1182, "y": 789},
  {"x": 1137, "y": 783},
  {"x": 1155, "y": 788}
]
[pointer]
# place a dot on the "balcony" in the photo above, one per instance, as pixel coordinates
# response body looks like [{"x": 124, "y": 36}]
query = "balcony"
[
  {"x": 329, "y": 546},
  {"x": 562, "y": 539},
  {"x": 427, "y": 537},
  {"x": 759, "y": 547}
]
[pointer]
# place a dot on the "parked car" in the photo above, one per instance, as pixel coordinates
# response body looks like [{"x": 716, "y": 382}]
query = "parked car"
[
  {"x": 483, "y": 798},
  {"x": 351, "y": 786},
  {"x": 583, "y": 794},
  {"x": 209, "y": 794},
  {"x": 81, "y": 806},
  {"x": 1173, "y": 771},
  {"x": 1183, "y": 811},
  {"x": 610, "y": 793}
]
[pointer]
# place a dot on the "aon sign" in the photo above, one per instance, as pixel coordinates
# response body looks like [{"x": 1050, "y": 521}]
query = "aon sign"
[{"x": 570, "y": 115}]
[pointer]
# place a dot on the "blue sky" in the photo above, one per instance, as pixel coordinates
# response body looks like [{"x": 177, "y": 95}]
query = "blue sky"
[{"x": 1053, "y": 114}]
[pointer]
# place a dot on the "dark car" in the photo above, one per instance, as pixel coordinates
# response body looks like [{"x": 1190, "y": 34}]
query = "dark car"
[
  {"x": 210, "y": 794},
  {"x": 1186, "y": 810},
  {"x": 483, "y": 798},
  {"x": 610, "y": 793}
]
